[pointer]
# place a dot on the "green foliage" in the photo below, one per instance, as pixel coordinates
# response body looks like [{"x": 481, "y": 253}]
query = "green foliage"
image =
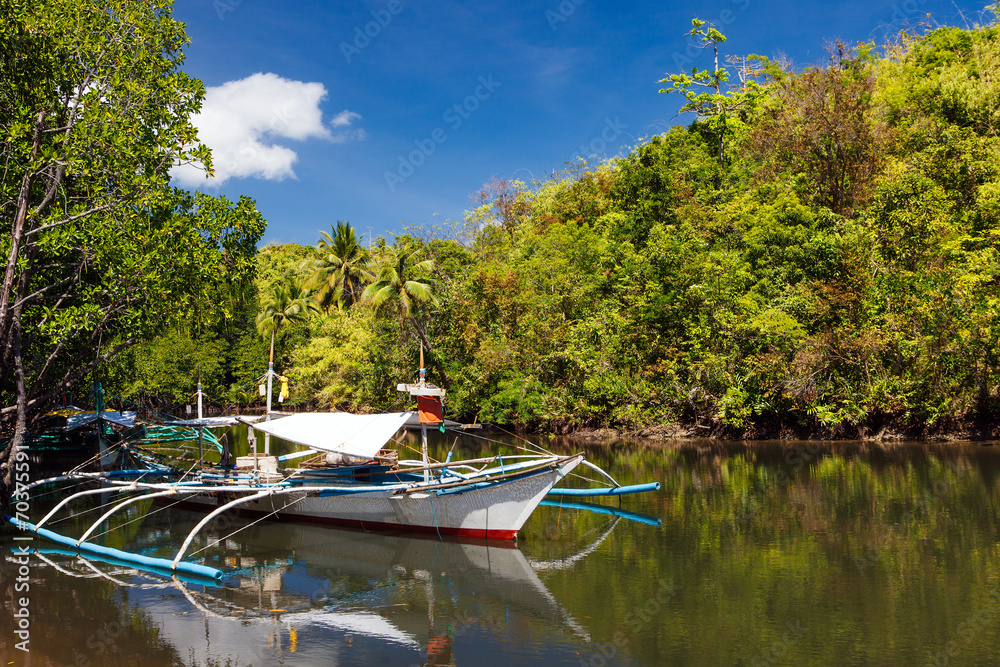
[
  {"x": 286, "y": 302},
  {"x": 821, "y": 134},
  {"x": 102, "y": 253},
  {"x": 397, "y": 281},
  {"x": 332, "y": 368},
  {"x": 168, "y": 367},
  {"x": 341, "y": 269},
  {"x": 835, "y": 273}
]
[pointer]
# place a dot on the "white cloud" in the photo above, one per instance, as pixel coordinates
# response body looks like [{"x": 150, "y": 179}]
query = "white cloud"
[
  {"x": 241, "y": 120},
  {"x": 344, "y": 120},
  {"x": 345, "y": 117}
]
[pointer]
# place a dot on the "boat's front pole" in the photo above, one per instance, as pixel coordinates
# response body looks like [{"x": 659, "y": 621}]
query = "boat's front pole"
[
  {"x": 270, "y": 378},
  {"x": 423, "y": 425}
]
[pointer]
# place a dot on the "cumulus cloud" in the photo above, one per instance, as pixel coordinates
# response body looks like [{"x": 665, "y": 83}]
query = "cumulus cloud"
[{"x": 242, "y": 120}]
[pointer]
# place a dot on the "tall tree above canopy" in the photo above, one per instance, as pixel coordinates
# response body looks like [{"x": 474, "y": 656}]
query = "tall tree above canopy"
[
  {"x": 401, "y": 283},
  {"x": 288, "y": 301},
  {"x": 339, "y": 272},
  {"x": 704, "y": 89},
  {"x": 97, "y": 250},
  {"x": 500, "y": 202}
]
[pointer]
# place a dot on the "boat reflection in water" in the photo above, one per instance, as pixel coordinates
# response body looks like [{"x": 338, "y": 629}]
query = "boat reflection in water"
[{"x": 318, "y": 595}]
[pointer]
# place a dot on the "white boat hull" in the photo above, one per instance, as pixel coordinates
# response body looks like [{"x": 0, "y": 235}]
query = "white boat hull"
[{"x": 494, "y": 510}]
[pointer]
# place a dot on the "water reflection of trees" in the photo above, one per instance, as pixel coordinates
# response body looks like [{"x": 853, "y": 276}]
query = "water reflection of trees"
[{"x": 880, "y": 550}]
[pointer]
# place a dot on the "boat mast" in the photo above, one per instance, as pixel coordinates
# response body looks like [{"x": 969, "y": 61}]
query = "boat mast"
[
  {"x": 423, "y": 425},
  {"x": 270, "y": 377}
]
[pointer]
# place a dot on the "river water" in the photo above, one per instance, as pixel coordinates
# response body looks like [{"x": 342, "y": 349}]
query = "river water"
[{"x": 761, "y": 553}]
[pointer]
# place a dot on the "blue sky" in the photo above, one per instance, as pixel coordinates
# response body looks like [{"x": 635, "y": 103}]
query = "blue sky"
[{"x": 388, "y": 113}]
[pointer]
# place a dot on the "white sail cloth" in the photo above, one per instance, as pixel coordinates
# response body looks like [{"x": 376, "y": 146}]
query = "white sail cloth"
[{"x": 339, "y": 432}]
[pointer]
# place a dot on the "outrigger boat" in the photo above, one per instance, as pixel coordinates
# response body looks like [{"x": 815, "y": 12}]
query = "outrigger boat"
[{"x": 355, "y": 483}]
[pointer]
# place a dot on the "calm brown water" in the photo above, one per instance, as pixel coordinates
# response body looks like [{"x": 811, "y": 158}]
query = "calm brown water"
[{"x": 766, "y": 554}]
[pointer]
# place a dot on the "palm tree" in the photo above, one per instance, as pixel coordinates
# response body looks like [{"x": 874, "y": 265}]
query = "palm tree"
[
  {"x": 396, "y": 285},
  {"x": 341, "y": 269},
  {"x": 287, "y": 301}
]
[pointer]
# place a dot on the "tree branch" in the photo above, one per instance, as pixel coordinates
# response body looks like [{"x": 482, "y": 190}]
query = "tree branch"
[{"x": 68, "y": 379}]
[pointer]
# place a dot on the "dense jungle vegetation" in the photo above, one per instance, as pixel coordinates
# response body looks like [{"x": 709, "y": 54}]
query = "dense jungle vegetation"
[{"x": 817, "y": 253}]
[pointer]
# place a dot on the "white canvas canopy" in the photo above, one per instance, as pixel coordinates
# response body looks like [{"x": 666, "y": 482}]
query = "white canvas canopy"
[
  {"x": 342, "y": 432},
  {"x": 126, "y": 419},
  {"x": 215, "y": 421}
]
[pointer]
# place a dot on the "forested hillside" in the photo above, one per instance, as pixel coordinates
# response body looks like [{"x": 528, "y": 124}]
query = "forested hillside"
[{"x": 817, "y": 253}]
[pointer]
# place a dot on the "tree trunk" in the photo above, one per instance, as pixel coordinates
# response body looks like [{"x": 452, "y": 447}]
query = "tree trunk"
[
  {"x": 718, "y": 107},
  {"x": 20, "y": 425},
  {"x": 17, "y": 229},
  {"x": 17, "y": 232}
]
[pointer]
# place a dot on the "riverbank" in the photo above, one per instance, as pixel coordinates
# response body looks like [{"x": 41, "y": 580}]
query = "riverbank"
[{"x": 954, "y": 430}]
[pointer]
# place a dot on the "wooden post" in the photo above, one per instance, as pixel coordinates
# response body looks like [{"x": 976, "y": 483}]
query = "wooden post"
[
  {"x": 267, "y": 416},
  {"x": 201, "y": 429}
]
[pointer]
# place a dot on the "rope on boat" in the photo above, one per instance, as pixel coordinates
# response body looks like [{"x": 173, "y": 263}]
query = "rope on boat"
[
  {"x": 95, "y": 457},
  {"x": 186, "y": 473},
  {"x": 434, "y": 514},
  {"x": 413, "y": 449},
  {"x": 140, "y": 517},
  {"x": 86, "y": 511},
  {"x": 61, "y": 490},
  {"x": 525, "y": 440},
  {"x": 536, "y": 449}
]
